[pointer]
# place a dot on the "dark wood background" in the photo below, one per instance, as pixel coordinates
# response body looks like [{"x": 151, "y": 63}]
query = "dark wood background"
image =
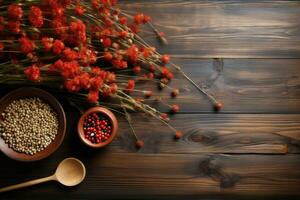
[{"x": 247, "y": 53}]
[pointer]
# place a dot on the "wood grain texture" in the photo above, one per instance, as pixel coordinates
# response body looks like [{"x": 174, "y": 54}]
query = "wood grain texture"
[
  {"x": 244, "y": 85},
  {"x": 211, "y": 133},
  {"x": 228, "y": 29},
  {"x": 131, "y": 175},
  {"x": 251, "y": 150}
]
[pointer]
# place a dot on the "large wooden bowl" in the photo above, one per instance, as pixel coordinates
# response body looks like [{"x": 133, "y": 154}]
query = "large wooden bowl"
[{"x": 28, "y": 92}]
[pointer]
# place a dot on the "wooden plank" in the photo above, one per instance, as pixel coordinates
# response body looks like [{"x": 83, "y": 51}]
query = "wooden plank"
[
  {"x": 210, "y": 133},
  {"x": 203, "y": 133},
  {"x": 244, "y": 85},
  {"x": 126, "y": 175},
  {"x": 228, "y": 29}
]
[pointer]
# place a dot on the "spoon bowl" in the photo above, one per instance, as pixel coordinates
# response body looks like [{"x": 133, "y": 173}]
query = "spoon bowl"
[{"x": 70, "y": 172}]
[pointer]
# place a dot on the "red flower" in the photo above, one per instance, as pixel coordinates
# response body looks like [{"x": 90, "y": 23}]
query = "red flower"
[
  {"x": 110, "y": 77},
  {"x": 106, "y": 92},
  {"x": 151, "y": 68},
  {"x": 149, "y": 75},
  {"x": 95, "y": 4},
  {"x": 108, "y": 22},
  {"x": 166, "y": 73},
  {"x": 58, "y": 46},
  {"x": 58, "y": 11},
  {"x": 58, "y": 65},
  {"x": 165, "y": 59},
  {"x": 96, "y": 83},
  {"x": 35, "y": 16},
  {"x": 148, "y": 93},
  {"x": 178, "y": 135},
  {"x": 146, "y": 52},
  {"x": 123, "y": 20},
  {"x": 87, "y": 56},
  {"x": 15, "y": 12},
  {"x": 106, "y": 42},
  {"x": 139, "y": 144},
  {"x": 70, "y": 69},
  {"x": 47, "y": 43},
  {"x": 93, "y": 96},
  {"x": 58, "y": 26},
  {"x": 136, "y": 69},
  {"x": 72, "y": 85},
  {"x": 79, "y": 10},
  {"x": 85, "y": 80},
  {"x": 14, "y": 26},
  {"x": 96, "y": 71},
  {"x": 130, "y": 86},
  {"x": 119, "y": 63},
  {"x": 175, "y": 93},
  {"x": 26, "y": 45},
  {"x": 113, "y": 88},
  {"x": 69, "y": 54},
  {"x": 138, "y": 18},
  {"x": 77, "y": 33},
  {"x": 32, "y": 73},
  {"x": 146, "y": 19},
  {"x": 107, "y": 56},
  {"x": 123, "y": 34},
  {"x": 175, "y": 108},
  {"x": 132, "y": 53},
  {"x": 218, "y": 106},
  {"x": 1, "y": 46},
  {"x": 164, "y": 116}
]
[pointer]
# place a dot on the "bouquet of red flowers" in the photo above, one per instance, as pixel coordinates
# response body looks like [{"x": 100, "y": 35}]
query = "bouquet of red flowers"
[{"x": 90, "y": 48}]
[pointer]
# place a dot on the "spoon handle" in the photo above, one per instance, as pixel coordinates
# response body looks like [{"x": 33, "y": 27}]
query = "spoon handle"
[{"x": 28, "y": 183}]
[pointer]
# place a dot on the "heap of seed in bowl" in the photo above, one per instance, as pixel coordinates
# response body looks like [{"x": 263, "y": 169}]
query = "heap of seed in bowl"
[{"x": 28, "y": 125}]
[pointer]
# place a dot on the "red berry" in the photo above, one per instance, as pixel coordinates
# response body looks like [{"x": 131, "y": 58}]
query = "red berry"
[
  {"x": 175, "y": 108},
  {"x": 136, "y": 69},
  {"x": 138, "y": 18},
  {"x": 148, "y": 93},
  {"x": 151, "y": 68},
  {"x": 146, "y": 19},
  {"x": 123, "y": 34},
  {"x": 139, "y": 144},
  {"x": 178, "y": 135},
  {"x": 218, "y": 106},
  {"x": 123, "y": 20},
  {"x": 165, "y": 58},
  {"x": 106, "y": 42},
  {"x": 107, "y": 56},
  {"x": 164, "y": 116},
  {"x": 175, "y": 93}
]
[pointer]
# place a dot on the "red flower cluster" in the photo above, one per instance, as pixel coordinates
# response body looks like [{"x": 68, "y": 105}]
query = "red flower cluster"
[
  {"x": 69, "y": 40},
  {"x": 26, "y": 45},
  {"x": 15, "y": 12},
  {"x": 36, "y": 17},
  {"x": 32, "y": 73}
]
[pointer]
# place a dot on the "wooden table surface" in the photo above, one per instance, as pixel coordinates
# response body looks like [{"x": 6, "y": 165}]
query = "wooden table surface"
[{"x": 247, "y": 53}]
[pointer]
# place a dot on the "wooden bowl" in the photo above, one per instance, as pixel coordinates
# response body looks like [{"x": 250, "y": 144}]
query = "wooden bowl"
[
  {"x": 109, "y": 115},
  {"x": 28, "y": 92}
]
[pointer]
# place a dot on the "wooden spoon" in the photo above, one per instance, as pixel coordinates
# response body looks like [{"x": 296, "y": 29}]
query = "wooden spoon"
[{"x": 70, "y": 172}]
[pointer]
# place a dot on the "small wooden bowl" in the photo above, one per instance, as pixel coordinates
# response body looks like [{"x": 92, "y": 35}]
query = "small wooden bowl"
[
  {"x": 29, "y": 92},
  {"x": 109, "y": 115}
]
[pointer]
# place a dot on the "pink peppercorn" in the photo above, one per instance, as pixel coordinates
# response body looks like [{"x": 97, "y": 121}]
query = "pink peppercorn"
[{"x": 97, "y": 128}]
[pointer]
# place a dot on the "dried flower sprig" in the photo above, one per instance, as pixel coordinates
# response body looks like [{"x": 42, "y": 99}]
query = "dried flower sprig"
[{"x": 90, "y": 48}]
